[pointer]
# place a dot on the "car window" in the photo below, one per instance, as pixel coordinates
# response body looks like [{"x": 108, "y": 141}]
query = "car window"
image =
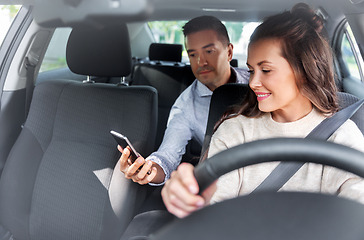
[
  {"x": 239, "y": 33},
  {"x": 55, "y": 56},
  {"x": 351, "y": 56},
  {"x": 7, "y": 15}
]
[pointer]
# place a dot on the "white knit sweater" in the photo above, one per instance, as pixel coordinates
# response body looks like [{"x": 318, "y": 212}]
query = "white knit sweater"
[{"x": 310, "y": 178}]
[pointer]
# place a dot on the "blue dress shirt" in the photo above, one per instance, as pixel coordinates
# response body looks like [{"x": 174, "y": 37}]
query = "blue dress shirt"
[{"x": 187, "y": 119}]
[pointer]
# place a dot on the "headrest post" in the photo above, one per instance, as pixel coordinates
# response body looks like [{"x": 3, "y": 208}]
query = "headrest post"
[
  {"x": 123, "y": 82},
  {"x": 88, "y": 80}
]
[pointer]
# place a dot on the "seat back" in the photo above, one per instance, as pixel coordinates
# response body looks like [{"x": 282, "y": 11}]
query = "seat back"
[
  {"x": 62, "y": 179},
  {"x": 168, "y": 75},
  {"x": 345, "y": 100},
  {"x": 222, "y": 98}
]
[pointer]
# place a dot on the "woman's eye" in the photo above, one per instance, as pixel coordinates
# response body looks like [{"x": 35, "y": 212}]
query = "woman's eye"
[
  {"x": 250, "y": 71},
  {"x": 266, "y": 71}
]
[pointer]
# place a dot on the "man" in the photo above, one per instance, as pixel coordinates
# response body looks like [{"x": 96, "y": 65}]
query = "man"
[{"x": 210, "y": 52}]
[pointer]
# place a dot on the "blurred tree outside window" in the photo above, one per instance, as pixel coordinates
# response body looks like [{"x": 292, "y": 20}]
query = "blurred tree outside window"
[{"x": 7, "y": 15}]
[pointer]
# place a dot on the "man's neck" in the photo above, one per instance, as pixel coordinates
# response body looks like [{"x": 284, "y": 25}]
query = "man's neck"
[{"x": 229, "y": 79}]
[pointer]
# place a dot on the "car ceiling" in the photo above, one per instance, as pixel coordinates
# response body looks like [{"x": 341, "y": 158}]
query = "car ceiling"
[
  {"x": 238, "y": 10},
  {"x": 68, "y": 12}
]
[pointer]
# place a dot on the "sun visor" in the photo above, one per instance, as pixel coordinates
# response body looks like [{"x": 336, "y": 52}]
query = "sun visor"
[{"x": 95, "y": 13}]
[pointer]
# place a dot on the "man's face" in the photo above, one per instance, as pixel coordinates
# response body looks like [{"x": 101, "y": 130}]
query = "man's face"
[{"x": 209, "y": 58}]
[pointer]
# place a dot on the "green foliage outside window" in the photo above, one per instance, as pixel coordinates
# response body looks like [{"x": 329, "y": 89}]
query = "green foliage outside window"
[
  {"x": 167, "y": 31},
  {"x": 13, "y": 9},
  {"x": 7, "y": 15}
]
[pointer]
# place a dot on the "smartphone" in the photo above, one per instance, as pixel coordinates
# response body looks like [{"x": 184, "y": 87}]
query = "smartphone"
[{"x": 123, "y": 141}]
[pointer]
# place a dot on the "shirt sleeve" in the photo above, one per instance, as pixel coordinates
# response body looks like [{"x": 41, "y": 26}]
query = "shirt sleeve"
[{"x": 176, "y": 137}]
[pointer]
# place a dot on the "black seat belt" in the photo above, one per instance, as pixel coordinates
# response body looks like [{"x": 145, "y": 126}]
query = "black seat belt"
[
  {"x": 29, "y": 87},
  {"x": 285, "y": 170}
]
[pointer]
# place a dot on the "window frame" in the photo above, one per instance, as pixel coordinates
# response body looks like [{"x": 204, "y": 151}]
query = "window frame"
[
  {"x": 12, "y": 40},
  {"x": 342, "y": 30}
]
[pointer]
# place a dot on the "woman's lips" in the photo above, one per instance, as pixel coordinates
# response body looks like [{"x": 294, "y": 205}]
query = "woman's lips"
[{"x": 261, "y": 96}]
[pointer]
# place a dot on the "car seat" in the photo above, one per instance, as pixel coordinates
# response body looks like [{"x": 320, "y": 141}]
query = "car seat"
[
  {"x": 168, "y": 75},
  {"x": 222, "y": 98},
  {"x": 62, "y": 179}
]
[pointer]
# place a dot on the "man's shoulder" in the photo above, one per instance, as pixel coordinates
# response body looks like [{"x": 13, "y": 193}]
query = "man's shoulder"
[{"x": 188, "y": 93}]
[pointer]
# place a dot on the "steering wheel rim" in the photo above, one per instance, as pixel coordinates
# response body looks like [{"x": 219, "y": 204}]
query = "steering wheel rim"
[
  {"x": 279, "y": 149},
  {"x": 272, "y": 215}
]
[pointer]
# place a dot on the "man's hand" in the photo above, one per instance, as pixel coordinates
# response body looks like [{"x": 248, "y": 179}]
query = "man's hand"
[
  {"x": 140, "y": 171},
  {"x": 180, "y": 192}
]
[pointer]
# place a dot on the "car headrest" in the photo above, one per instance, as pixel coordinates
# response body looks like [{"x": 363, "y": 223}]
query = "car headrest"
[
  {"x": 101, "y": 52},
  {"x": 165, "y": 52}
]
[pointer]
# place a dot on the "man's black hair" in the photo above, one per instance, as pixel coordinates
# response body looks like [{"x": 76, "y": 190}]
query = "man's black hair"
[{"x": 207, "y": 23}]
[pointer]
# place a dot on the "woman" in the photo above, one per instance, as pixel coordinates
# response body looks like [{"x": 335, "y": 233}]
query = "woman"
[{"x": 292, "y": 91}]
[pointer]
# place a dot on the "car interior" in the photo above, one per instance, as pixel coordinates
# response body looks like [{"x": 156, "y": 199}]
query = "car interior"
[{"x": 73, "y": 70}]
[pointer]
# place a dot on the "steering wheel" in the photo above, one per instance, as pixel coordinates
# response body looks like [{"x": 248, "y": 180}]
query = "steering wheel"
[{"x": 274, "y": 215}]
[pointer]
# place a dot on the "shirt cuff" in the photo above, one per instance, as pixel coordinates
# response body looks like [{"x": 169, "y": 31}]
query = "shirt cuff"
[{"x": 158, "y": 161}]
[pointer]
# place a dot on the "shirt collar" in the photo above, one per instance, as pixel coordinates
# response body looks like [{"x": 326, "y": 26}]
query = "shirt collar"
[{"x": 202, "y": 90}]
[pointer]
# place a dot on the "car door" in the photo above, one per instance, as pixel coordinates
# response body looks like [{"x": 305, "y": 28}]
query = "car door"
[{"x": 22, "y": 46}]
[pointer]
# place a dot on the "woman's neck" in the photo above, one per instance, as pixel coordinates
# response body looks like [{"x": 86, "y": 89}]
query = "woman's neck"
[{"x": 292, "y": 114}]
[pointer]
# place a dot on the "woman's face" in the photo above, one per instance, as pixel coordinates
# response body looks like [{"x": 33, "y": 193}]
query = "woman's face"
[{"x": 273, "y": 82}]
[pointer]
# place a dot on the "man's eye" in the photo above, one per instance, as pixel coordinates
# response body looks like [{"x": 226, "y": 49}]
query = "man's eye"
[{"x": 192, "y": 55}]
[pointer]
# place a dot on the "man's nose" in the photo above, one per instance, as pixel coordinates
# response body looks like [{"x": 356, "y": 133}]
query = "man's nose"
[{"x": 201, "y": 61}]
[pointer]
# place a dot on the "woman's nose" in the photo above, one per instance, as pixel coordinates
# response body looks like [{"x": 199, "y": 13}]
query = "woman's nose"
[{"x": 254, "y": 81}]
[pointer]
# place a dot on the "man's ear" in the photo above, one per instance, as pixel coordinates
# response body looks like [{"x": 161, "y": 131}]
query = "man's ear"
[{"x": 230, "y": 48}]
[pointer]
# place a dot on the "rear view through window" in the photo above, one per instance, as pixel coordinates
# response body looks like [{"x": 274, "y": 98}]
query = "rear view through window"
[{"x": 239, "y": 33}]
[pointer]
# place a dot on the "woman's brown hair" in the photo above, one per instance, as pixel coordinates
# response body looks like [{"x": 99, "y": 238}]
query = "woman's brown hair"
[
  {"x": 308, "y": 53},
  {"x": 304, "y": 46}
]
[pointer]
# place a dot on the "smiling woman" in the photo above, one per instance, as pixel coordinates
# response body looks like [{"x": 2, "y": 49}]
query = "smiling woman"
[
  {"x": 273, "y": 82},
  {"x": 292, "y": 90}
]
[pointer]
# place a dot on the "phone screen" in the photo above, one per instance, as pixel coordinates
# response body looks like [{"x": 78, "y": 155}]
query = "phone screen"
[{"x": 123, "y": 141}]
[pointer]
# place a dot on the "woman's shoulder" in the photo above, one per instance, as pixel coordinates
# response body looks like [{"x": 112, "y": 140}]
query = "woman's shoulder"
[
  {"x": 229, "y": 134},
  {"x": 237, "y": 122},
  {"x": 350, "y": 135},
  {"x": 349, "y": 128},
  {"x": 240, "y": 127}
]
